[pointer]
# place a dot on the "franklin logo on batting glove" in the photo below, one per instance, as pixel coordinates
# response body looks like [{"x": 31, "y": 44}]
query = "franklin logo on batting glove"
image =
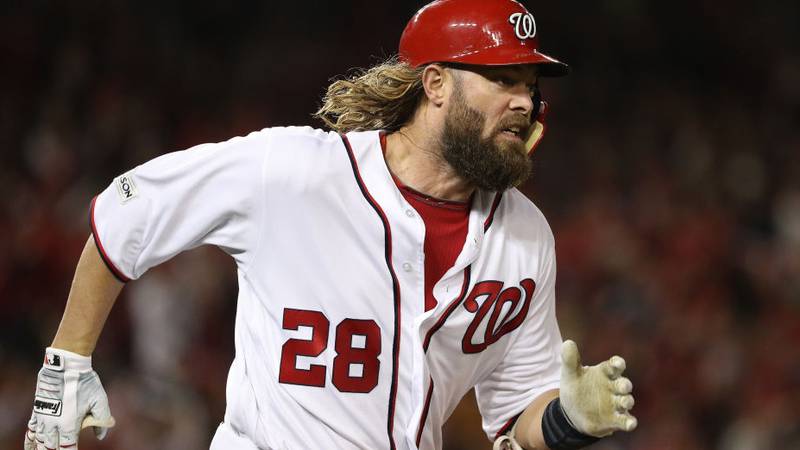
[{"x": 47, "y": 406}]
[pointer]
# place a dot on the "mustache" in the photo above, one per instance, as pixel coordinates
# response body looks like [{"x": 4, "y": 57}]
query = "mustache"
[{"x": 521, "y": 122}]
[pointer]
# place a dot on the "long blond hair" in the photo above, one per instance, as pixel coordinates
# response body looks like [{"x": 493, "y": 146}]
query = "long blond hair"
[{"x": 382, "y": 97}]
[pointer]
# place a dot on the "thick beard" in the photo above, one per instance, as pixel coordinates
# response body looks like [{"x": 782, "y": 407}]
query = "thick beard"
[{"x": 481, "y": 162}]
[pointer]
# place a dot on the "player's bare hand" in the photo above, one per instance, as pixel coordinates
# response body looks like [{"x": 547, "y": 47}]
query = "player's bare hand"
[
  {"x": 69, "y": 397},
  {"x": 596, "y": 399}
]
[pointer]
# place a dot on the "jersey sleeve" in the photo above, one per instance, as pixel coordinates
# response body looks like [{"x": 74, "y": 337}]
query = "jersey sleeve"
[
  {"x": 208, "y": 194},
  {"x": 532, "y": 364}
]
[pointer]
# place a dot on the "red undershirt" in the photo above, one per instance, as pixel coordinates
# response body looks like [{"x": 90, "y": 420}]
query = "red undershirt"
[{"x": 446, "y": 225}]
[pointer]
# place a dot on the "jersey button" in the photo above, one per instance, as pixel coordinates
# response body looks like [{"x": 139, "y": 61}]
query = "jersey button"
[
  {"x": 407, "y": 267},
  {"x": 410, "y": 213}
]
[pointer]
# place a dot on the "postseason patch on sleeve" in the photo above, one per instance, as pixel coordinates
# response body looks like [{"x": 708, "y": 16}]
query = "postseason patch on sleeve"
[{"x": 126, "y": 189}]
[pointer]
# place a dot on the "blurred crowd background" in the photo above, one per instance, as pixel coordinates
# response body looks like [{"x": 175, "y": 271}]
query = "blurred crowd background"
[{"x": 670, "y": 176}]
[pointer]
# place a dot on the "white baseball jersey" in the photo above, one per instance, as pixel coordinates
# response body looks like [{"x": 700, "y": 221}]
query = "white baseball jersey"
[{"x": 334, "y": 348}]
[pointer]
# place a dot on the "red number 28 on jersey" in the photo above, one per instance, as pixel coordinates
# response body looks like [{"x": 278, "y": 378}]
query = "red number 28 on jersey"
[{"x": 358, "y": 344}]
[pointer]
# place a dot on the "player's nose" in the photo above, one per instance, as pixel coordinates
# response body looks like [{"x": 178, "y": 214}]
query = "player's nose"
[{"x": 521, "y": 101}]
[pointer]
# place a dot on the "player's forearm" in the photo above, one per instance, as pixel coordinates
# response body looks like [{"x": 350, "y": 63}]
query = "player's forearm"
[
  {"x": 93, "y": 292},
  {"x": 529, "y": 425}
]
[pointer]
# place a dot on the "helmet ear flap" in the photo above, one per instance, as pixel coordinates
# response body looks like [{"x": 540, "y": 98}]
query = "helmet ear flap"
[
  {"x": 537, "y": 104},
  {"x": 538, "y": 127}
]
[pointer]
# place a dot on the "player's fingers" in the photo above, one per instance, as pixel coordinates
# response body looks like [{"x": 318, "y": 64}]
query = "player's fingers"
[
  {"x": 30, "y": 434},
  {"x": 39, "y": 435},
  {"x": 30, "y": 440},
  {"x": 100, "y": 427},
  {"x": 623, "y": 403},
  {"x": 100, "y": 420},
  {"x": 626, "y": 422},
  {"x": 570, "y": 358},
  {"x": 101, "y": 432},
  {"x": 68, "y": 440},
  {"x": 614, "y": 367},
  {"x": 49, "y": 439},
  {"x": 92, "y": 421},
  {"x": 622, "y": 386}
]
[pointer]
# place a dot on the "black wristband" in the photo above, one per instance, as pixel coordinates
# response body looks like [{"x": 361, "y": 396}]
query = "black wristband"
[{"x": 558, "y": 433}]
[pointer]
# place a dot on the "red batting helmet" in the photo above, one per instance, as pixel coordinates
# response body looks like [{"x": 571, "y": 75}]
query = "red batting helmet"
[{"x": 481, "y": 32}]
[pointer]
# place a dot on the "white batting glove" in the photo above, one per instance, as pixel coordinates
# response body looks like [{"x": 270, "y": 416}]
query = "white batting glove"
[
  {"x": 595, "y": 399},
  {"x": 69, "y": 397}
]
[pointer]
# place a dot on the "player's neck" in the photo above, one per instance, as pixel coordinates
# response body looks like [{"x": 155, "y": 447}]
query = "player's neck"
[{"x": 416, "y": 159}]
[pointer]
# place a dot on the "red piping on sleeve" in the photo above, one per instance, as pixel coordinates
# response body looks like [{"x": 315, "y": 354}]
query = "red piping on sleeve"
[{"x": 114, "y": 270}]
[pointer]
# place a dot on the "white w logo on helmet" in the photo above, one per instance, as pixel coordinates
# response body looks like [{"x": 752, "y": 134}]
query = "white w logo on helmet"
[{"x": 524, "y": 25}]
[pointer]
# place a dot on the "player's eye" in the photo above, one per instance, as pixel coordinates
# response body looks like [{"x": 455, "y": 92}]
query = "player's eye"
[{"x": 504, "y": 81}]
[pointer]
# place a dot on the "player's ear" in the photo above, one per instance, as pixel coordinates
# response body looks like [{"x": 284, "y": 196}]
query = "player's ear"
[{"x": 434, "y": 78}]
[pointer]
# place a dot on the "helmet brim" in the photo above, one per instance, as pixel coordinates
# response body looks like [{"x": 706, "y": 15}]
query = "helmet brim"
[
  {"x": 551, "y": 67},
  {"x": 548, "y": 66}
]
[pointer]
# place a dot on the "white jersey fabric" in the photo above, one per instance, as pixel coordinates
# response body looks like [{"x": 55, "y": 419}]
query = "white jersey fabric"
[{"x": 334, "y": 348}]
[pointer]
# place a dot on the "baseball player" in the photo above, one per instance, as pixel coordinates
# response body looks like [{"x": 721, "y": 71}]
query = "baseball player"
[{"x": 385, "y": 267}]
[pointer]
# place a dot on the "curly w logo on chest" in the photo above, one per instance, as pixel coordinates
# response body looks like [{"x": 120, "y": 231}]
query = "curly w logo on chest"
[{"x": 497, "y": 312}]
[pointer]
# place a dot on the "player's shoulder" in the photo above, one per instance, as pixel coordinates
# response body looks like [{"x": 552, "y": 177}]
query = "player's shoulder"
[
  {"x": 267, "y": 138},
  {"x": 300, "y": 137},
  {"x": 523, "y": 218}
]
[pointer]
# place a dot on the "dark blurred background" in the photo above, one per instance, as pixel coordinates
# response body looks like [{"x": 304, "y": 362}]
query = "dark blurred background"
[{"x": 670, "y": 176}]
